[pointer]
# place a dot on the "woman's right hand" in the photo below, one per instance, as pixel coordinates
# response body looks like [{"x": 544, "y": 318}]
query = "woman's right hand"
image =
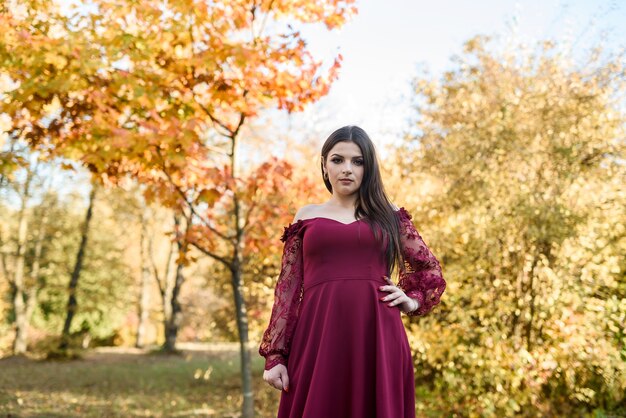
[{"x": 277, "y": 377}]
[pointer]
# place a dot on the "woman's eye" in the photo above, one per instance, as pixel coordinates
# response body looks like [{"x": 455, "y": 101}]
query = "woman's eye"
[{"x": 338, "y": 160}]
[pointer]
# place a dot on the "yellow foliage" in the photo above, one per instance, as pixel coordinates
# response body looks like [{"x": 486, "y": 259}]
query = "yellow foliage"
[{"x": 528, "y": 218}]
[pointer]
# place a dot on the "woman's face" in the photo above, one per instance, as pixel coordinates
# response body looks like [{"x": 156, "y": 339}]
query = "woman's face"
[{"x": 345, "y": 161}]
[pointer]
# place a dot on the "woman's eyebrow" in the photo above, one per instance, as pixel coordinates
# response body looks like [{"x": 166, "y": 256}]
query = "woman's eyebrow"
[{"x": 339, "y": 155}]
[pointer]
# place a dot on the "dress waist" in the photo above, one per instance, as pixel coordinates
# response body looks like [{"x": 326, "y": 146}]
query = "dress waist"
[{"x": 326, "y": 278}]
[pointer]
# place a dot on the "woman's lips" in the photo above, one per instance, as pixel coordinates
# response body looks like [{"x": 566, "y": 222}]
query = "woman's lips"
[{"x": 346, "y": 181}]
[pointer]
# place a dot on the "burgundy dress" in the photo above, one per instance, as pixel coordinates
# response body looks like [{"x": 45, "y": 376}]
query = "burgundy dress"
[{"x": 346, "y": 352}]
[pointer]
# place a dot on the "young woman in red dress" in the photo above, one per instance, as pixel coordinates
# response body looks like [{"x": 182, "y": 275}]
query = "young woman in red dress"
[{"x": 336, "y": 346}]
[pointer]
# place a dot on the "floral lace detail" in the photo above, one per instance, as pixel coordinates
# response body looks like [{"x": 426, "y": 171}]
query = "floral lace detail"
[
  {"x": 288, "y": 293},
  {"x": 292, "y": 229},
  {"x": 422, "y": 278}
]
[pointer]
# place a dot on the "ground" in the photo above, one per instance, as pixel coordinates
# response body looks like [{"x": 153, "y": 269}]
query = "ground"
[{"x": 115, "y": 382}]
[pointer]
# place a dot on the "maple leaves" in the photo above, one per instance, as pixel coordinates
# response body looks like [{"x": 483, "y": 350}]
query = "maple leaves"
[
  {"x": 143, "y": 91},
  {"x": 159, "y": 92},
  {"x": 162, "y": 69}
]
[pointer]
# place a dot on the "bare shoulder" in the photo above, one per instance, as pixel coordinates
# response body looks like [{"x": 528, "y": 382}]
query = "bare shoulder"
[{"x": 304, "y": 212}]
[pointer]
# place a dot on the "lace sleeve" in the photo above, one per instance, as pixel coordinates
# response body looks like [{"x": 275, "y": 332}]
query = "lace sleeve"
[
  {"x": 422, "y": 278},
  {"x": 287, "y": 297}
]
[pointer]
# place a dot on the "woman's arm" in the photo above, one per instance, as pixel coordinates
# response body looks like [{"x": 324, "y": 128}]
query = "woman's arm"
[
  {"x": 422, "y": 279},
  {"x": 276, "y": 341}
]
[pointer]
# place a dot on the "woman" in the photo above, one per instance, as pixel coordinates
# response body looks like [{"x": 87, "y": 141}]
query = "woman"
[{"x": 336, "y": 344}]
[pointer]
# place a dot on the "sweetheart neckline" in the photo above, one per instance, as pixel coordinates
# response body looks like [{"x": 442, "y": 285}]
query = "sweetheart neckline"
[
  {"x": 400, "y": 211},
  {"x": 331, "y": 219}
]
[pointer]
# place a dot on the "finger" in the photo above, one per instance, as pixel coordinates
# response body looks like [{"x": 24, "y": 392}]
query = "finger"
[
  {"x": 390, "y": 296},
  {"x": 389, "y": 288},
  {"x": 402, "y": 299},
  {"x": 286, "y": 382}
]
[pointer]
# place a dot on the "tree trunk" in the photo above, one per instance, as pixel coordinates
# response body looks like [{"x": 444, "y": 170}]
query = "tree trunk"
[
  {"x": 173, "y": 321},
  {"x": 71, "y": 302},
  {"x": 21, "y": 319},
  {"x": 144, "y": 297},
  {"x": 33, "y": 287},
  {"x": 531, "y": 290},
  {"x": 165, "y": 288},
  {"x": 242, "y": 326},
  {"x": 247, "y": 407}
]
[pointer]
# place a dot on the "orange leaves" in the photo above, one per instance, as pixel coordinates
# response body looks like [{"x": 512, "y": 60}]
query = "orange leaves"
[
  {"x": 148, "y": 90},
  {"x": 332, "y": 13},
  {"x": 209, "y": 196}
]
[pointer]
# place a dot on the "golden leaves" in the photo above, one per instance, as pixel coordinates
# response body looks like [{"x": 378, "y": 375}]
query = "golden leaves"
[
  {"x": 530, "y": 210},
  {"x": 52, "y": 109},
  {"x": 209, "y": 196},
  {"x": 146, "y": 90}
]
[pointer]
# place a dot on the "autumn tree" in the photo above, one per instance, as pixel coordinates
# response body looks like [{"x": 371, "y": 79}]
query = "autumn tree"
[
  {"x": 162, "y": 92},
  {"x": 519, "y": 169}
]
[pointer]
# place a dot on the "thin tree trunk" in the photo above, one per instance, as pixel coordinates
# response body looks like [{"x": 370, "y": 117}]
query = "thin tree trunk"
[
  {"x": 529, "y": 322},
  {"x": 241, "y": 310},
  {"x": 172, "y": 323},
  {"x": 73, "y": 285},
  {"x": 21, "y": 319},
  {"x": 4, "y": 265},
  {"x": 242, "y": 326},
  {"x": 165, "y": 286},
  {"x": 33, "y": 288},
  {"x": 144, "y": 297}
]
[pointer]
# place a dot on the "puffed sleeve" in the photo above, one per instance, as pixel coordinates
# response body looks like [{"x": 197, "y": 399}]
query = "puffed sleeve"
[
  {"x": 288, "y": 292},
  {"x": 422, "y": 278}
]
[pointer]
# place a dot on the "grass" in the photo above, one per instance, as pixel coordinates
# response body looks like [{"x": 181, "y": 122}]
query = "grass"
[{"x": 119, "y": 383}]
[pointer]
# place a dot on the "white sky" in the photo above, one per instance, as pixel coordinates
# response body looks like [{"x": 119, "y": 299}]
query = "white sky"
[{"x": 383, "y": 45}]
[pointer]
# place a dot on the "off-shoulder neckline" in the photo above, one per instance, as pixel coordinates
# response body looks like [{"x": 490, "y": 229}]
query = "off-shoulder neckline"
[
  {"x": 399, "y": 211},
  {"x": 330, "y": 219}
]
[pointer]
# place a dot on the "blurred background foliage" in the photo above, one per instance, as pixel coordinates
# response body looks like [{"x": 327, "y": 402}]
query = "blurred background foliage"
[
  {"x": 526, "y": 151},
  {"x": 512, "y": 166}
]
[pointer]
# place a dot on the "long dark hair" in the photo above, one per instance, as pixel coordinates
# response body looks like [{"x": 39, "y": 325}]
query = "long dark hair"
[{"x": 372, "y": 204}]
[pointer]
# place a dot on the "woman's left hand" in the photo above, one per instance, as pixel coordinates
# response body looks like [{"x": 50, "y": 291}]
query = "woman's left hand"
[{"x": 397, "y": 296}]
